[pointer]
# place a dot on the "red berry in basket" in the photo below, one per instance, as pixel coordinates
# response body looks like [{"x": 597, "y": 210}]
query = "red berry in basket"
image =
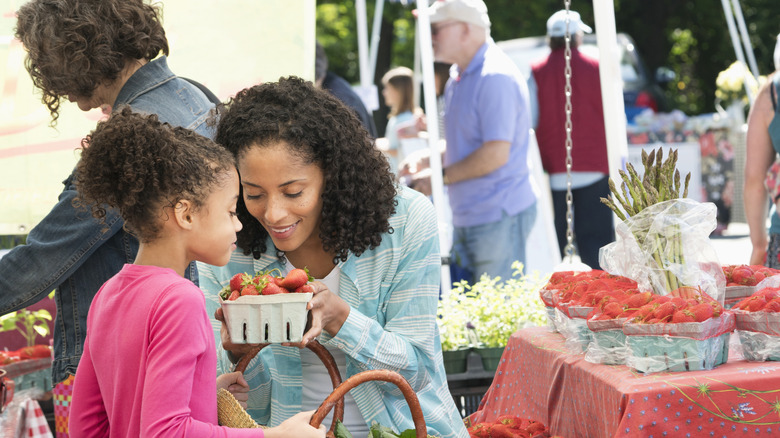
[
  {"x": 702, "y": 312},
  {"x": 613, "y": 309},
  {"x": 743, "y": 275},
  {"x": 755, "y": 303},
  {"x": 295, "y": 279},
  {"x": 233, "y": 295},
  {"x": 773, "y": 306},
  {"x": 249, "y": 289},
  {"x": 306, "y": 288},
  {"x": 664, "y": 311},
  {"x": 273, "y": 289},
  {"x": 683, "y": 316},
  {"x": 639, "y": 300},
  {"x": 239, "y": 281}
]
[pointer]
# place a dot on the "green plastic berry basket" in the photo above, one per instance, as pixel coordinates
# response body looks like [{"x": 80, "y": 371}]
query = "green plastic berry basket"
[
  {"x": 652, "y": 354},
  {"x": 608, "y": 344},
  {"x": 691, "y": 346}
]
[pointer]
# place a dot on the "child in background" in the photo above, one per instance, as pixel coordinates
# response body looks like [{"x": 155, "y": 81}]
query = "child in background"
[
  {"x": 398, "y": 93},
  {"x": 149, "y": 362}
]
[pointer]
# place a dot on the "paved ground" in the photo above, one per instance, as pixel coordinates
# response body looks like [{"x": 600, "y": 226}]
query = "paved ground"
[{"x": 733, "y": 247}]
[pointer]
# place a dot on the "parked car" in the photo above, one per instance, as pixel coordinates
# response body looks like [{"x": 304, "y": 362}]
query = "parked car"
[{"x": 640, "y": 90}]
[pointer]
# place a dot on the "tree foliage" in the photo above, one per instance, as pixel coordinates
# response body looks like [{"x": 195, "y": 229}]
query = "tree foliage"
[{"x": 691, "y": 37}]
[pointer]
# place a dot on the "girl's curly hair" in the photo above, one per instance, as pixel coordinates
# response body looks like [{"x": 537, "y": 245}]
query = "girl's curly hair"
[
  {"x": 73, "y": 46},
  {"x": 139, "y": 165},
  {"x": 359, "y": 194}
]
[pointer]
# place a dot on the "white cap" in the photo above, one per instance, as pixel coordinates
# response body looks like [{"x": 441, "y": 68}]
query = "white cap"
[
  {"x": 556, "y": 24},
  {"x": 467, "y": 11}
]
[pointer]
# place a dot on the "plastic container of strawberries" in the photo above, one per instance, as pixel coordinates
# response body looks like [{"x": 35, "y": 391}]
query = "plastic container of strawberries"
[
  {"x": 759, "y": 335},
  {"x": 608, "y": 342},
  {"x": 571, "y": 323},
  {"x": 689, "y": 346},
  {"x": 260, "y": 319}
]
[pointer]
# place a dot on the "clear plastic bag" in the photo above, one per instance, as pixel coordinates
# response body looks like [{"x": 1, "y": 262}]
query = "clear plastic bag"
[
  {"x": 759, "y": 335},
  {"x": 608, "y": 342},
  {"x": 666, "y": 246}
]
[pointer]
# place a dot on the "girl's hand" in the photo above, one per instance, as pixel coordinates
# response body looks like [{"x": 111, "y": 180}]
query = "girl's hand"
[
  {"x": 236, "y": 384},
  {"x": 328, "y": 312},
  {"x": 296, "y": 426}
]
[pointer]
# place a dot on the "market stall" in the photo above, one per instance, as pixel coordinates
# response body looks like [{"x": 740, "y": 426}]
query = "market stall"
[{"x": 538, "y": 379}]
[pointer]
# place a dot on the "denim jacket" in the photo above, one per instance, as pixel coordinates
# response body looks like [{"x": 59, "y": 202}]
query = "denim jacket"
[{"x": 73, "y": 253}]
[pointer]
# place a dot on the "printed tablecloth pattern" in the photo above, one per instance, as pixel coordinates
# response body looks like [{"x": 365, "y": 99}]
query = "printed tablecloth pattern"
[{"x": 538, "y": 379}]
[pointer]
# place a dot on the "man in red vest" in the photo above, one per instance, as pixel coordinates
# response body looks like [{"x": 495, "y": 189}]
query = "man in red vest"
[{"x": 593, "y": 226}]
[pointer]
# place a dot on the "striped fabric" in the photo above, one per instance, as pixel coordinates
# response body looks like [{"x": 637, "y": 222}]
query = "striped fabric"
[{"x": 393, "y": 292}]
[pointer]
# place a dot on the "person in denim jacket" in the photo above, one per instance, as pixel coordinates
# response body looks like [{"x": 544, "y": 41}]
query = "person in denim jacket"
[{"x": 99, "y": 54}]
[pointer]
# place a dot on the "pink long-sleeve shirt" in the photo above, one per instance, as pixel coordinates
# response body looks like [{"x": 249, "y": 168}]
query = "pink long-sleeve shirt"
[{"x": 149, "y": 362}]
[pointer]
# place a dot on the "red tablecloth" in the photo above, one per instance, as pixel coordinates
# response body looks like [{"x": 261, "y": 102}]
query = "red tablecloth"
[{"x": 538, "y": 379}]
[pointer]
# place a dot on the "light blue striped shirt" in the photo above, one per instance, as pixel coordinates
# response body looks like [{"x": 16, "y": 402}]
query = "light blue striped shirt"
[{"x": 393, "y": 293}]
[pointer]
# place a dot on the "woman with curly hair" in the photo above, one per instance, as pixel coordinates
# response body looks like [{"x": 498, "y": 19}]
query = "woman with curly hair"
[
  {"x": 181, "y": 209},
  {"x": 316, "y": 194},
  {"x": 99, "y": 54}
]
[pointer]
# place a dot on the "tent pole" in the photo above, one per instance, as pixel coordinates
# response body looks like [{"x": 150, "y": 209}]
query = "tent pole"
[
  {"x": 432, "y": 116},
  {"x": 611, "y": 87},
  {"x": 360, "y": 8},
  {"x": 375, "y": 32},
  {"x": 737, "y": 46},
  {"x": 745, "y": 39}
]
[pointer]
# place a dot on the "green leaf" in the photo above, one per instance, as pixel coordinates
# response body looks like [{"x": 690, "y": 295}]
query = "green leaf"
[
  {"x": 409, "y": 433},
  {"x": 340, "y": 431}
]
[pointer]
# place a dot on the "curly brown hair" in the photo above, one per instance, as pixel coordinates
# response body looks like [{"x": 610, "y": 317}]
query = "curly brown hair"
[
  {"x": 359, "y": 194},
  {"x": 139, "y": 165},
  {"x": 73, "y": 46}
]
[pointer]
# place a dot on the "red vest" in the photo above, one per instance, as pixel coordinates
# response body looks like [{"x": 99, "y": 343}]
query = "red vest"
[{"x": 589, "y": 140}]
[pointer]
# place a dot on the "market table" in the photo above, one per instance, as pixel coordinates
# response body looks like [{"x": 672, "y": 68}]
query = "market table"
[{"x": 538, "y": 379}]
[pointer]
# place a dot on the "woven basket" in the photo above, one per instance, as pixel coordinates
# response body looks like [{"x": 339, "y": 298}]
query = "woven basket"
[
  {"x": 336, "y": 398},
  {"x": 231, "y": 414}
]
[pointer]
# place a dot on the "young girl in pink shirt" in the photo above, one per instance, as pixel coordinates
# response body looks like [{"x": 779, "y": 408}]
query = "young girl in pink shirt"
[{"x": 149, "y": 362}]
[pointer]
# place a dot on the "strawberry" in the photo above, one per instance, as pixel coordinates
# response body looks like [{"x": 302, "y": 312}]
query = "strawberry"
[
  {"x": 273, "y": 289},
  {"x": 743, "y": 275},
  {"x": 239, "y": 281},
  {"x": 664, "y": 311},
  {"x": 683, "y": 316},
  {"x": 639, "y": 300},
  {"x": 249, "y": 289},
  {"x": 233, "y": 295},
  {"x": 295, "y": 279},
  {"x": 756, "y": 303},
  {"x": 773, "y": 306},
  {"x": 702, "y": 312},
  {"x": 306, "y": 288},
  {"x": 613, "y": 309},
  {"x": 535, "y": 428}
]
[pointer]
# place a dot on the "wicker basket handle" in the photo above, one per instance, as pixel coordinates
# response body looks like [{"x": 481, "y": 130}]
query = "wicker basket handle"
[
  {"x": 330, "y": 365},
  {"x": 384, "y": 375}
]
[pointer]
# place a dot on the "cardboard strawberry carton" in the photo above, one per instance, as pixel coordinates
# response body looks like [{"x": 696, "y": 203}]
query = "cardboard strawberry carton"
[{"x": 266, "y": 308}]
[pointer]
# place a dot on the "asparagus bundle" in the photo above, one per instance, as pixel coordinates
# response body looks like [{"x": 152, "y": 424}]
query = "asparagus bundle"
[{"x": 660, "y": 182}]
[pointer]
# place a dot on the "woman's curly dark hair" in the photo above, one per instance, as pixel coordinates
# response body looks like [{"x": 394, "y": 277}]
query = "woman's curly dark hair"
[
  {"x": 139, "y": 165},
  {"x": 75, "y": 45},
  {"x": 359, "y": 194}
]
